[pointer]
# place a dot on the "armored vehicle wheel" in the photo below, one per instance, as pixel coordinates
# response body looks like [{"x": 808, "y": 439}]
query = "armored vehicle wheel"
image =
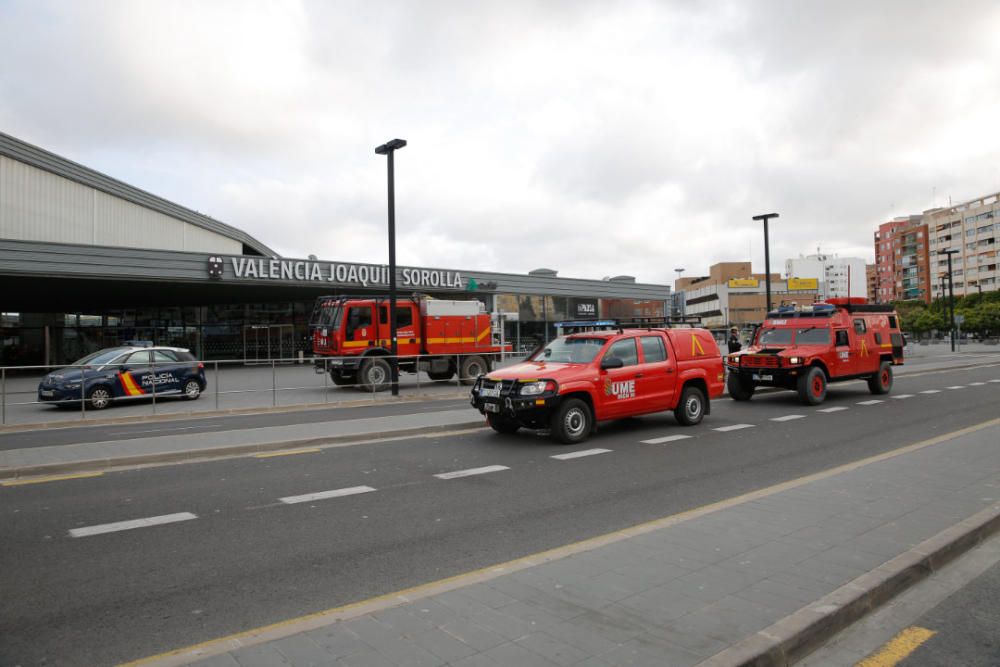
[
  {"x": 739, "y": 389},
  {"x": 691, "y": 408},
  {"x": 502, "y": 424},
  {"x": 572, "y": 422},
  {"x": 471, "y": 368},
  {"x": 881, "y": 382},
  {"x": 375, "y": 375},
  {"x": 812, "y": 386},
  {"x": 99, "y": 397},
  {"x": 342, "y": 380}
]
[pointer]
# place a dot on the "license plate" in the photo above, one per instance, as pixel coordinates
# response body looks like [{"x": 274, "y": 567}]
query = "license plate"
[
  {"x": 490, "y": 392},
  {"x": 48, "y": 392},
  {"x": 764, "y": 378},
  {"x": 491, "y": 407}
]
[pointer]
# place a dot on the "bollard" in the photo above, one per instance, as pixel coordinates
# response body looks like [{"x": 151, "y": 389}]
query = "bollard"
[
  {"x": 274, "y": 386},
  {"x": 3, "y": 395},
  {"x": 216, "y": 385},
  {"x": 83, "y": 396},
  {"x": 152, "y": 381},
  {"x": 326, "y": 380}
]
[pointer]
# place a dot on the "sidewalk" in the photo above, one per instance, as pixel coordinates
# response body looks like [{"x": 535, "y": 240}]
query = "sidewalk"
[{"x": 759, "y": 579}]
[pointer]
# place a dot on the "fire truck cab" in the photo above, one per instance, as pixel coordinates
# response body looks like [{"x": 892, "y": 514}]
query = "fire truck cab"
[
  {"x": 806, "y": 349},
  {"x": 352, "y": 340}
]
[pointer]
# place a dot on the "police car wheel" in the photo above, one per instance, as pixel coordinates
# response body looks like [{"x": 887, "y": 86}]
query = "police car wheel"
[
  {"x": 99, "y": 398},
  {"x": 881, "y": 382},
  {"x": 691, "y": 408},
  {"x": 572, "y": 422},
  {"x": 192, "y": 390},
  {"x": 812, "y": 386}
]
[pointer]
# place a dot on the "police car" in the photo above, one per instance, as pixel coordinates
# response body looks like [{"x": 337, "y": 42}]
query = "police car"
[{"x": 130, "y": 372}]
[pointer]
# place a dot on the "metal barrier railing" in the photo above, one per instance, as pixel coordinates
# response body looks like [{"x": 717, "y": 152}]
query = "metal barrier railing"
[{"x": 232, "y": 379}]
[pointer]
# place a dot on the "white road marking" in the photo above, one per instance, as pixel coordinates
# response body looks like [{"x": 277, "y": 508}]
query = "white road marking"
[
  {"x": 665, "y": 439},
  {"x": 976, "y": 384},
  {"x": 994, "y": 380},
  {"x": 129, "y": 525},
  {"x": 931, "y": 391},
  {"x": 734, "y": 427},
  {"x": 470, "y": 471},
  {"x": 787, "y": 418},
  {"x": 836, "y": 408},
  {"x": 903, "y": 396},
  {"x": 871, "y": 402},
  {"x": 957, "y": 386},
  {"x": 323, "y": 495},
  {"x": 576, "y": 455}
]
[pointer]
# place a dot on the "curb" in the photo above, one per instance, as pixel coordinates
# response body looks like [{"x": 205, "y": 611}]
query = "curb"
[
  {"x": 794, "y": 637},
  {"x": 104, "y": 464}
]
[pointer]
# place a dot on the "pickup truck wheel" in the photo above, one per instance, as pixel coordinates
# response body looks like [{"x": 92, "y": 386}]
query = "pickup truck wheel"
[
  {"x": 812, "y": 386},
  {"x": 572, "y": 422},
  {"x": 739, "y": 389},
  {"x": 375, "y": 375},
  {"x": 471, "y": 368},
  {"x": 502, "y": 424},
  {"x": 691, "y": 408},
  {"x": 881, "y": 382}
]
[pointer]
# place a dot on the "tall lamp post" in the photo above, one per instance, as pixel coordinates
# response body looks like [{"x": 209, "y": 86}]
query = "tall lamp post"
[
  {"x": 951, "y": 295},
  {"x": 387, "y": 149},
  {"x": 678, "y": 308},
  {"x": 767, "y": 258}
]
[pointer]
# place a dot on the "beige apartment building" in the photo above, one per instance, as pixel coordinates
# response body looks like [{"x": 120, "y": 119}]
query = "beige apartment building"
[{"x": 972, "y": 228}]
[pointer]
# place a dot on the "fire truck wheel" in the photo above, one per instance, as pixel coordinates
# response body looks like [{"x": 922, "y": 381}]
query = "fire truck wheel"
[
  {"x": 572, "y": 422},
  {"x": 881, "y": 382},
  {"x": 812, "y": 386},
  {"x": 739, "y": 389},
  {"x": 691, "y": 408},
  {"x": 501, "y": 424},
  {"x": 375, "y": 375},
  {"x": 343, "y": 380},
  {"x": 471, "y": 368},
  {"x": 442, "y": 376}
]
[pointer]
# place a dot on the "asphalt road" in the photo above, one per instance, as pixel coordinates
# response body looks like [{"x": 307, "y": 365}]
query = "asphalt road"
[{"x": 243, "y": 558}]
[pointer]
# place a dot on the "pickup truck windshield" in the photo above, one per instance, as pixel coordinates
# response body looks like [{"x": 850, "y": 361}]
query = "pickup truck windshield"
[{"x": 570, "y": 350}]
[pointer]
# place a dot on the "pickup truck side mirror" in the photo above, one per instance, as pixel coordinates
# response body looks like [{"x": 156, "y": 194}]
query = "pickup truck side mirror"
[{"x": 612, "y": 362}]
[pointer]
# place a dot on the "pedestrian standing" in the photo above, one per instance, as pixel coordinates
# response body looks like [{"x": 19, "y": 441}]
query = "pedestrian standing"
[{"x": 734, "y": 340}]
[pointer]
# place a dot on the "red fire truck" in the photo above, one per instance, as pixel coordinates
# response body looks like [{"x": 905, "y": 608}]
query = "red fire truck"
[
  {"x": 351, "y": 339},
  {"x": 805, "y": 349}
]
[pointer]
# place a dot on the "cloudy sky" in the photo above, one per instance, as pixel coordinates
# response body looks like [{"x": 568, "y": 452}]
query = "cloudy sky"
[{"x": 595, "y": 138}]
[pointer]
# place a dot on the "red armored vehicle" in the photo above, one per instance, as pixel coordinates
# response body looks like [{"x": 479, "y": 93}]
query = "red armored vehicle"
[
  {"x": 806, "y": 349},
  {"x": 583, "y": 378},
  {"x": 351, "y": 339}
]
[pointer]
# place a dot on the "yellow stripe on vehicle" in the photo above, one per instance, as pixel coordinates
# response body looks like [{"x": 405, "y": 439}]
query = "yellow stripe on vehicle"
[
  {"x": 128, "y": 382},
  {"x": 451, "y": 340},
  {"x": 486, "y": 332}
]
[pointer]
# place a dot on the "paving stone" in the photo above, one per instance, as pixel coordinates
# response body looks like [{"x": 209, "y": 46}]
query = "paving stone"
[
  {"x": 338, "y": 640},
  {"x": 636, "y": 653},
  {"x": 302, "y": 651},
  {"x": 263, "y": 655},
  {"x": 477, "y": 660},
  {"x": 407, "y": 653},
  {"x": 488, "y": 595},
  {"x": 711, "y": 583},
  {"x": 444, "y": 645},
  {"x": 404, "y": 621},
  {"x": 461, "y": 603},
  {"x": 509, "y": 627},
  {"x": 662, "y": 605},
  {"x": 581, "y": 638},
  {"x": 526, "y": 611},
  {"x": 365, "y": 658},
  {"x": 849, "y": 557},
  {"x": 475, "y": 636},
  {"x": 433, "y": 611},
  {"x": 224, "y": 660},
  {"x": 551, "y": 648},
  {"x": 515, "y": 654}
]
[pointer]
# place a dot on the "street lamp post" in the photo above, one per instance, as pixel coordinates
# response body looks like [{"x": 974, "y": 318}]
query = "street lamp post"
[
  {"x": 767, "y": 258},
  {"x": 678, "y": 308},
  {"x": 387, "y": 149},
  {"x": 951, "y": 295}
]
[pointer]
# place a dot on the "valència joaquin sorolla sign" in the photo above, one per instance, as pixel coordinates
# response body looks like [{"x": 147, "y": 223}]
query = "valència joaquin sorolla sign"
[{"x": 366, "y": 275}]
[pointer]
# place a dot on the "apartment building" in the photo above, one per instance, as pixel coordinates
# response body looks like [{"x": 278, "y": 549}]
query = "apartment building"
[
  {"x": 973, "y": 229},
  {"x": 902, "y": 270}
]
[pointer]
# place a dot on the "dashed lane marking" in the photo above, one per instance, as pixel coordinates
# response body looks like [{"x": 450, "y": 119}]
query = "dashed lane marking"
[
  {"x": 931, "y": 391},
  {"x": 976, "y": 384},
  {"x": 733, "y": 427},
  {"x": 900, "y": 396},
  {"x": 898, "y": 648},
  {"x": 871, "y": 402},
  {"x": 323, "y": 495},
  {"x": 133, "y": 523},
  {"x": 49, "y": 478},
  {"x": 471, "y": 471},
  {"x": 957, "y": 386},
  {"x": 665, "y": 439},
  {"x": 580, "y": 454},
  {"x": 994, "y": 380},
  {"x": 787, "y": 418},
  {"x": 836, "y": 408}
]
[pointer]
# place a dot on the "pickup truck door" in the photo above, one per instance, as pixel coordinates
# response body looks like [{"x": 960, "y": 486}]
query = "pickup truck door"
[
  {"x": 657, "y": 382},
  {"x": 618, "y": 394}
]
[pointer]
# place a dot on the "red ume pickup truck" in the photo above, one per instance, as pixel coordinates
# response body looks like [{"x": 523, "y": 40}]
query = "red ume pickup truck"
[{"x": 578, "y": 380}]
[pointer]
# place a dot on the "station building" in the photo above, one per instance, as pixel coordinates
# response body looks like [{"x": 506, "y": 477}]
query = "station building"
[{"x": 87, "y": 261}]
